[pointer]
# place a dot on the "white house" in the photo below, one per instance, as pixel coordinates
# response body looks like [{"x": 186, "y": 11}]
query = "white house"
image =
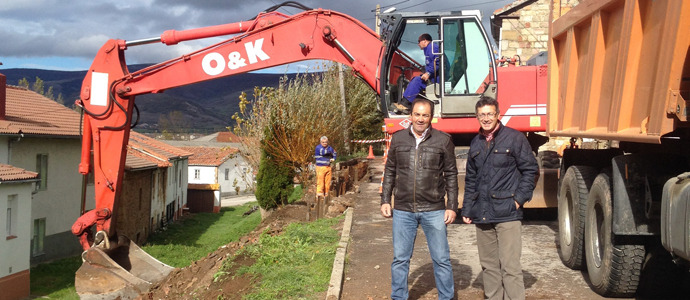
[
  {"x": 41, "y": 135},
  {"x": 168, "y": 182},
  {"x": 215, "y": 172},
  {"x": 16, "y": 186}
]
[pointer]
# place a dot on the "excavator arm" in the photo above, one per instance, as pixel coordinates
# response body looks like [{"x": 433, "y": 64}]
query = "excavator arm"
[
  {"x": 271, "y": 39},
  {"x": 107, "y": 98}
]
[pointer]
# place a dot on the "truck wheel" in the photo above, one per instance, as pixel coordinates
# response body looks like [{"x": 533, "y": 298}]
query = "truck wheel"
[
  {"x": 572, "y": 204},
  {"x": 614, "y": 270},
  {"x": 549, "y": 159}
]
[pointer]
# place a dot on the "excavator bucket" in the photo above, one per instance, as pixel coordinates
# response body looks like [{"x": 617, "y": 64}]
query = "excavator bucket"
[{"x": 123, "y": 272}]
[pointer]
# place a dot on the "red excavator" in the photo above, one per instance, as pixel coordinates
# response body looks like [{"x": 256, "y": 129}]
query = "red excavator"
[{"x": 114, "y": 266}]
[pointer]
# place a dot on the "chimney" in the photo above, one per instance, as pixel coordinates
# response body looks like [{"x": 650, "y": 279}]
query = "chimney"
[{"x": 3, "y": 95}]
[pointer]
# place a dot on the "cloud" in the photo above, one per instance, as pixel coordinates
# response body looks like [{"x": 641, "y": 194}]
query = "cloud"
[{"x": 54, "y": 28}]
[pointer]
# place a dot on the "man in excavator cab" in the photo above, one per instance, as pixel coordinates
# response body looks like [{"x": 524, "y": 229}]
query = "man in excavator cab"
[{"x": 432, "y": 73}]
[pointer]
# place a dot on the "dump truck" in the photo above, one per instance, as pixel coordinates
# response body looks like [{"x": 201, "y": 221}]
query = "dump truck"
[{"x": 619, "y": 80}]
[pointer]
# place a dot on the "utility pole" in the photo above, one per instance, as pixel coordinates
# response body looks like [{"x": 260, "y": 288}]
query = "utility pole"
[
  {"x": 378, "y": 20},
  {"x": 343, "y": 103}
]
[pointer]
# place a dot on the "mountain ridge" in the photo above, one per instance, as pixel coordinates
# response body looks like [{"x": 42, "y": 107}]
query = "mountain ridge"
[{"x": 207, "y": 106}]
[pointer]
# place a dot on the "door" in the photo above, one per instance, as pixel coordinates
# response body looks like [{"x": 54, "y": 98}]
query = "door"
[{"x": 471, "y": 70}]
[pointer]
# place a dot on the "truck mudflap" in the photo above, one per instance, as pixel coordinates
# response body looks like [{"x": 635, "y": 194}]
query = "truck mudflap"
[
  {"x": 122, "y": 272},
  {"x": 675, "y": 206}
]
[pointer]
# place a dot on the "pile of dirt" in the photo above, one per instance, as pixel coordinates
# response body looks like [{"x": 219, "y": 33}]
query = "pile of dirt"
[{"x": 197, "y": 280}]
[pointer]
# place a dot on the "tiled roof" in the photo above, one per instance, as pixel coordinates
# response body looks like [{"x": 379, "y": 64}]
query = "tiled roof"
[
  {"x": 32, "y": 113},
  {"x": 137, "y": 161},
  {"x": 10, "y": 173},
  {"x": 145, "y": 152},
  {"x": 227, "y": 137},
  {"x": 210, "y": 156}
]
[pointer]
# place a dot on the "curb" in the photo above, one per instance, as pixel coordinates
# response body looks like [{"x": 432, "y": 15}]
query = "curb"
[{"x": 336, "y": 284}]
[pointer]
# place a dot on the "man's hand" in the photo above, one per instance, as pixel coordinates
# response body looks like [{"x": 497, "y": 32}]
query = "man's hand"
[
  {"x": 467, "y": 220},
  {"x": 449, "y": 216},
  {"x": 425, "y": 76},
  {"x": 386, "y": 210},
  {"x": 517, "y": 205}
]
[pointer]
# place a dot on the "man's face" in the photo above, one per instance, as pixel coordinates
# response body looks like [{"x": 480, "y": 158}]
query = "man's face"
[
  {"x": 324, "y": 143},
  {"x": 420, "y": 117},
  {"x": 488, "y": 117},
  {"x": 422, "y": 44}
]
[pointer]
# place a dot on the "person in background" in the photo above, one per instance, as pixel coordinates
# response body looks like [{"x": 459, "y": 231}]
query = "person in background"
[
  {"x": 421, "y": 170},
  {"x": 324, "y": 155},
  {"x": 500, "y": 178}
]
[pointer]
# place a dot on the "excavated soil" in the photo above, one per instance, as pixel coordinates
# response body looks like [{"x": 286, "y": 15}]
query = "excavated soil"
[{"x": 197, "y": 280}]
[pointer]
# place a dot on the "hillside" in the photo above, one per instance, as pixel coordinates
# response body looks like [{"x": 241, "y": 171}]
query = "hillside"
[{"x": 207, "y": 106}]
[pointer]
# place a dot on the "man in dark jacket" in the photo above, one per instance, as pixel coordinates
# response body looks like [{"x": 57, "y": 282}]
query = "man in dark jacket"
[
  {"x": 500, "y": 177},
  {"x": 420, "y": 170}
]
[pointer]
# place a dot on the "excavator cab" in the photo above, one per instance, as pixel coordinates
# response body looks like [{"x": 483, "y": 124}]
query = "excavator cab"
[{"x": 467, "y": 67}]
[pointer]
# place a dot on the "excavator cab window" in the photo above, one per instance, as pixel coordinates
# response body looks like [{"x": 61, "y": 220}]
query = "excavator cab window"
[{"x": 470, "y": 68}]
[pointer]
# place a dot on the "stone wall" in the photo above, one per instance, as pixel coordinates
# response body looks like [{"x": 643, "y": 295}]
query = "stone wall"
[{"x": 526, "y": 31}]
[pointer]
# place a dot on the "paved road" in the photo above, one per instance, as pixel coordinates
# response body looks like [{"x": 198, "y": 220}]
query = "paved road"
[
  {"x": 367, "y": 271},
  {"x": 237, "y": 200}
]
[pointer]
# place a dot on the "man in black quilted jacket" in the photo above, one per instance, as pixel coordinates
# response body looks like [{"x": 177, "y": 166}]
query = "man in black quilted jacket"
[
  {"x": 420, "y": 170},
  {"x": 500, "y": 177}
]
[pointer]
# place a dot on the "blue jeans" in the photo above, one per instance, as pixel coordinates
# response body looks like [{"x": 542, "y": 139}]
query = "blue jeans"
[
  {"x": 416, "y": 86},
  {"x": 404, "y": 234}
]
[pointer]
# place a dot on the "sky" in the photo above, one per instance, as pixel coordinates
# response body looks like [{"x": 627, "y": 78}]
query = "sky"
[{"x": 66, "y": 34}]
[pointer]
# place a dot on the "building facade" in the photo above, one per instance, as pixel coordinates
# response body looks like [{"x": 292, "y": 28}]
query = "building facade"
[{"x": 16, "y": 186}]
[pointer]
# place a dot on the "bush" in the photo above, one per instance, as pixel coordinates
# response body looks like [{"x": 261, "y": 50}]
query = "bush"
[{"x": 273, "y": 183}]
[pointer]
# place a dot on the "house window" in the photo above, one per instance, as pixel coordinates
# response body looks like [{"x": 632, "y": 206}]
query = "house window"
[
  {"x": 197, "y": 173},
  {"x": 42, "y": 169},
  {"x": 39, "y": 235},
  {"x": 227, "y": 174},
  {"x": 11, "y": 224}
]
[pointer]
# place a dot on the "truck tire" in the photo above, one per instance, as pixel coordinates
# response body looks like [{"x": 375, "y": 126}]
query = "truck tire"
[
  {"x": 572, "y": 206},
  {"x": 549, "y": 159},
  {"x": 614, "y": 270}
]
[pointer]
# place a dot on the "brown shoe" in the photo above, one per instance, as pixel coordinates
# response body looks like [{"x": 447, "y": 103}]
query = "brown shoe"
[{"x": 399, "y": 106}]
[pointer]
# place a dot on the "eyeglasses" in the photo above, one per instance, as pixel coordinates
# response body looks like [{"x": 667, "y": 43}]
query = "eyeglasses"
[{"x": 487, "y": 115}]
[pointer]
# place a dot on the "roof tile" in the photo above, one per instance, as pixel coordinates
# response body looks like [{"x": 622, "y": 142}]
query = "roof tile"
[
  {"x": 146, "y": 152},
  {"x": 28, "y": 112},
  {"x": 210, "y": 156},
  {"x": 10, "y": 173}
]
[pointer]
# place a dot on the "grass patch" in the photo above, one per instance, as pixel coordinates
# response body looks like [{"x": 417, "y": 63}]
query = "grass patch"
[
  {"x": 182, "y": 243},
  {"x": 297, "y": 194},
  {"x": 194, "y": 238},
  {"x": 55, "y": 280},
  {"x": 294, "y": 265}
]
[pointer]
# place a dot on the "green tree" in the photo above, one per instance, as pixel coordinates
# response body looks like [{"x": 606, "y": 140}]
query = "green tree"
[
  {"x": 39, "y": 87},
  {"x": 286, "y": 123},
  {"x": 23, "y": 83},
  {"x": 273, "y": 183}
]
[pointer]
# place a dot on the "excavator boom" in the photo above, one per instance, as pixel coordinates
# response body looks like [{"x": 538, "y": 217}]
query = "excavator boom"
[{"x": 107, "y": 98}]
